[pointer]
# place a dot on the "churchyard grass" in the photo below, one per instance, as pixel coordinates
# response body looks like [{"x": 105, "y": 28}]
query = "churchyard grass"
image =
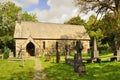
[
  {"x": 16, "y": 70},
  {"x": 94, "y": 71},
  {"x": 60, "y": 71}
]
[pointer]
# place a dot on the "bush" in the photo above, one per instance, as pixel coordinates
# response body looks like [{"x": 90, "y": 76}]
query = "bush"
[{"x": 6, "y": 52}]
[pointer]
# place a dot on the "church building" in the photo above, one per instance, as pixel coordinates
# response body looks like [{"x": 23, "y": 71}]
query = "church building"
[{"x": 38, "y": 39}]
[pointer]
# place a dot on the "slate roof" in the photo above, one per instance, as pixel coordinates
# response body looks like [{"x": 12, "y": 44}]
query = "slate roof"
[{"x": 38, "y": 30}]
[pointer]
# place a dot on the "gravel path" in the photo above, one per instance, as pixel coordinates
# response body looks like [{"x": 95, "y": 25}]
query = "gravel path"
[{"x": 39, "y": 74}]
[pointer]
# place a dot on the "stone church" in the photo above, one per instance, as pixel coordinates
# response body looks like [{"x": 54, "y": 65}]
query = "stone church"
[{"x": 38, "y": 39}]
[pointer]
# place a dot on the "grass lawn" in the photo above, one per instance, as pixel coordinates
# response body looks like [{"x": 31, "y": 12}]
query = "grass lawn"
[
  {"x": 15, "y": 71},
  {"x": 95, "y": 71},
  {"x": 61, "y": 71}
]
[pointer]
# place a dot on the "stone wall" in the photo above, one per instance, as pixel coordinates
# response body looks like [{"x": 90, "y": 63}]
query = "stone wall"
[
  {"x": 49, "y": 46},
  {"x": 86, "y": 46}
]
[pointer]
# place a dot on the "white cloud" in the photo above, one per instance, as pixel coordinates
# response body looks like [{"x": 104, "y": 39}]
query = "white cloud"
[
  {"x": 59, "y": 12},
  {"x": 26, "y": 3},
  {"x": 18, "y": 4},
  {"x": 23, "y": 3}
]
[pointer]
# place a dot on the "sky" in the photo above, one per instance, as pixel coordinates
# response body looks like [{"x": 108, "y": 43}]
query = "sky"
[{"x": 52, "y": 11}]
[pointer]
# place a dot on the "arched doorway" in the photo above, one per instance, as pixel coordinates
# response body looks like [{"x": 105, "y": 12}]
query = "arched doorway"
[{"x": 30, "y": 48}]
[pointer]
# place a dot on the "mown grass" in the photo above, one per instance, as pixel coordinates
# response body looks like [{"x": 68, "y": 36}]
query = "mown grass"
[
  {"x": 15, "y": 70},
  {"x": 94, "y": 71}
]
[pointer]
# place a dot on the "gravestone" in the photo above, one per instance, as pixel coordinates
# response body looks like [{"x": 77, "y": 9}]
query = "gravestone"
[
  {"x": 11, "y": 54},
  {"x": 57, "y": 54},
  {"x": 66, "y": 52},
  {"x": 95, "y": 53},
  {"x": 76, "y": 64},
  {"x": 117, "y": 53},
  {"x": 79, "y": 66}
]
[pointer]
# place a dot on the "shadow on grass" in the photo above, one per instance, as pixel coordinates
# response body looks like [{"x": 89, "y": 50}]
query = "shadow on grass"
[
  {"x": 60, "y": 71},
  {"x": 103, "y": 71}
]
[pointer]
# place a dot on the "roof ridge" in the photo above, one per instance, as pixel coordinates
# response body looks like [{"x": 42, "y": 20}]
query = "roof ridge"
[{"x": 51, "y": 23}]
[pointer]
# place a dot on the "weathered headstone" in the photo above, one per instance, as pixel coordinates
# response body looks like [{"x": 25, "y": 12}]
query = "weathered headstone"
[
  {"x": 66, "y": 52},
  {"x": 79, "y": 67},
  {"x": 76, "y": 63},
  {"x": 117, "y": 53},
  {"x": 95, "y": 53},
  {"x": 57, "y": 54}
]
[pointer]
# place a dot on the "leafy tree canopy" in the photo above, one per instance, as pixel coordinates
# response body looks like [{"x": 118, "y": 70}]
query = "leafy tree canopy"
[
  {"x": 28, "y": 17},
  {"x": 8, "y": 17},
  {"x": 75, "y": 21},
  {"x": 110, "y": 10},
  {"x": 100, "y": 6}
]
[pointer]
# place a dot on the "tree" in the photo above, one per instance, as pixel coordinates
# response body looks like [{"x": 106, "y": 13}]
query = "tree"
[
  {"x": 8, "y": 17},
  {"x": 75, "y": 21},
  {"x": 28, "y": 17},
  {"x": 100, "y": 6},
  {"x": 109, "y": 27},
  {"x": 94, "y": 30},
  {"x": 103, "y": 7}
]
